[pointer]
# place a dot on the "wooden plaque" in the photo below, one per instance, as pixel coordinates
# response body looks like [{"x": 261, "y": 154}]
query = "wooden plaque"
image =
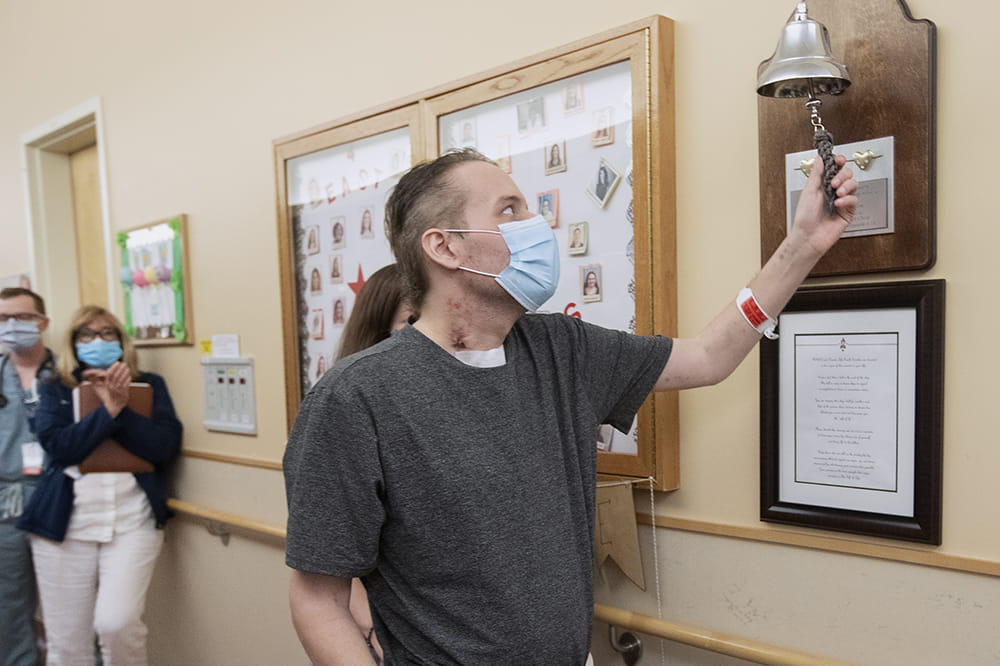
[{"x": 891, "y": 59}]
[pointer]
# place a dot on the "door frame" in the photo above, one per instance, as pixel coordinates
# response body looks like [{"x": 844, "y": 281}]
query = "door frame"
[{"x": 48, "y": 193}]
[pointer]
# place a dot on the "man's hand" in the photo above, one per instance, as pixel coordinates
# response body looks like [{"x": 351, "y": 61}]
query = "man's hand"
[{"x": 111, "y": 386}]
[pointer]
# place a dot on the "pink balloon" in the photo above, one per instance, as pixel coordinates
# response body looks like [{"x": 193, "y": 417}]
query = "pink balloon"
[{"x": 139, "y": 277}]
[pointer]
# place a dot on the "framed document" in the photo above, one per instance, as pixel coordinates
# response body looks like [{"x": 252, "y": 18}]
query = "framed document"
[{"x": 851, "y": 411}]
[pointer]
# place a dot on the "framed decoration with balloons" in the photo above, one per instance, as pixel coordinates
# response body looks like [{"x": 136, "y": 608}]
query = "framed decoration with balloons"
[{"x": 154, "y": 279}]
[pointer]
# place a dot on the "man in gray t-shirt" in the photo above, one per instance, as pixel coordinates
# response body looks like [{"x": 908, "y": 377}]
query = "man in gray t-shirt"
[{"x": 452, "y": 466}]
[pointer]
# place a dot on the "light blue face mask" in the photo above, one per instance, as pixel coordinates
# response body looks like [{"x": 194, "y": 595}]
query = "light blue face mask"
[
  {"x": 532, "y": 275},
  {"x": 18, "y": 336},
  {"x": 99, "y": 353}
]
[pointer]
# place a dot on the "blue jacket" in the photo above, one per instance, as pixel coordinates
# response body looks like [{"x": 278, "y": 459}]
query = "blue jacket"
[{"x": 157, "y": 439}]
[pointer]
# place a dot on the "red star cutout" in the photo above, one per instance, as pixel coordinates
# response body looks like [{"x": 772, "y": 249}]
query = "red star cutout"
[{"x": 356, "y": 286}]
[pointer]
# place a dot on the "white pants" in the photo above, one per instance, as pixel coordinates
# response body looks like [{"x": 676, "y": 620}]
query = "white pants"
[{"x": 87, "y": 587}]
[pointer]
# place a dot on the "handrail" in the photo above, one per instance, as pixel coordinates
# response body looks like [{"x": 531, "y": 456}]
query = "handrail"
[
  {"x": 187, "y": 508},
  {"x": 706, "y": 639}
]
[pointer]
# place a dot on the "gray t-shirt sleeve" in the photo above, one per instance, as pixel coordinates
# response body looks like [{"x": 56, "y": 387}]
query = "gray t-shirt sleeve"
[
  {"x": 334, "y": 519},
  {"x": 620, "y": 370}
]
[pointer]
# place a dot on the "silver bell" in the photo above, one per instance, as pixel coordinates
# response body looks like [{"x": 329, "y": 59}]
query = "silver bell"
[{"x": 802, "y": 64}]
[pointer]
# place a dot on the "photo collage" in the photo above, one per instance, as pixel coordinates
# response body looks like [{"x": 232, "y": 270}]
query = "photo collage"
[
  {"x": 567, "y": 145},
  {"x": 338, "y": 215}
]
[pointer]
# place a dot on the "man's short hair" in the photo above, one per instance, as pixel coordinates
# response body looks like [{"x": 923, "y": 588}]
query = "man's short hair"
[
  {"x": 14, "y": 292},
  {"x": 425, "y": 197}
]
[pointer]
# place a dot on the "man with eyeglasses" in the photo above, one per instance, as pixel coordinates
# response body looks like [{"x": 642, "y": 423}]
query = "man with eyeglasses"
[{"x": 25, "y": 362}]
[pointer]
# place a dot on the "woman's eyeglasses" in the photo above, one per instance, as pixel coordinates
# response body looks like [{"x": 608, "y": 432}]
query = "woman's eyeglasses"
[{"x": 107, "y": 334}]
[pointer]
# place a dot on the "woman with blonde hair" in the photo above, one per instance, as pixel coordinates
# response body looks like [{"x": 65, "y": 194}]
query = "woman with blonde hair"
[{"x": 95, "y": 537}]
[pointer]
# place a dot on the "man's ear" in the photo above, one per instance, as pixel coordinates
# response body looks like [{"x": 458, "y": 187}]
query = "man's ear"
[
  {"x": 43, "y": 324},
  {"x": 437, "y": 247}
]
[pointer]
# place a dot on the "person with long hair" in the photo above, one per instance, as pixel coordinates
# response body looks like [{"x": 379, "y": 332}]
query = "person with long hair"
[
  {"x": 555, "y": 157},
  {"x": 380, "y": 309},
  {"x": 95, "y": 537}
]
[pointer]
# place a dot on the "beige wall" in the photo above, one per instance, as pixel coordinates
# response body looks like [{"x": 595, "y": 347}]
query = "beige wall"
[{"x": 193, "y": 93}]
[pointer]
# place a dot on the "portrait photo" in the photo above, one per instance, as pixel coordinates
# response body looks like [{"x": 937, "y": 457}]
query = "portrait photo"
[
  {"x": 591, "y": 283},
  {"x": 462, "y": 134},
  {"x": 312, "y": 240},
  {"x": 531, "y": 115},
  {"x": 315, "y": 195},
  {"x": 603, "y": 183},
  {"x": 604, "y": 129},
  {"x": 548, "y": 207},
  {"x": 578, "y": 236},
  {"x": 320, "y": 366},
  {"x": 339, "y": 314},
  {"x": 503, "y": 159},
  {"x": 555, "y": 158},
  {"x": 338, "y": 232},
  {"x": 315, "y": 282},
  {"x": 605, "y": 436},
  {"x": 336, "y": 269},
  {"x": 572, "y": 99},
  {"x": 316, "y": 321},
  {"x": 366, "y": 224}
]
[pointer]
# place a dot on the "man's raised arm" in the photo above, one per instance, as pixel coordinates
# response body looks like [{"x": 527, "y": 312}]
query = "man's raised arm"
[{"x": 714, "y": 353}]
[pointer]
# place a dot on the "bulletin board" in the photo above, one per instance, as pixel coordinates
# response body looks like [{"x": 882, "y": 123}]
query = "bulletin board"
[
  {"x": 585, "y": 131},
  {"x": 332, "y": 189},
  {"x": 573, "y": 161}
]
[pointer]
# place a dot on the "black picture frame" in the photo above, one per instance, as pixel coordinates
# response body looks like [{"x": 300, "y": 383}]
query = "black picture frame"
[{"x": 927, "y": 299}]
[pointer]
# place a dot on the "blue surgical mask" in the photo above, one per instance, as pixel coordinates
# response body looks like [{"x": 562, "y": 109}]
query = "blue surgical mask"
[
  {"x": 532, "y": 275},
  {"x": 99, "y": 353},
  {"x": 18, "y": 336}
]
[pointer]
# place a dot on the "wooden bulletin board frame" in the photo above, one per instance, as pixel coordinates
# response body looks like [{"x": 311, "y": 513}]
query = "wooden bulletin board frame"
[
  {"x": 645, "y": 49},
  {"x": 342, "y": 180},
  {"x": 891, "y": 58}
]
